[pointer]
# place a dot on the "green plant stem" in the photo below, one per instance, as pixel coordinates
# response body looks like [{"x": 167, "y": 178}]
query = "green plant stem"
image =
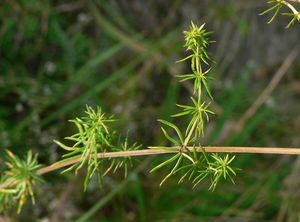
[
  {"x": 291, "y": 6},
  {"x": 208, "y": 149},
  {"x": 187, "y": 139}
]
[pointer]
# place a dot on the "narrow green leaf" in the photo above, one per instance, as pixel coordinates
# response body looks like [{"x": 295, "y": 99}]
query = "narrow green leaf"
[{"x": 165, "y": 162}]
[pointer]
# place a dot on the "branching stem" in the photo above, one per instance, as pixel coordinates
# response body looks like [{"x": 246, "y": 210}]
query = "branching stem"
[{"x": 208, "y": 149}]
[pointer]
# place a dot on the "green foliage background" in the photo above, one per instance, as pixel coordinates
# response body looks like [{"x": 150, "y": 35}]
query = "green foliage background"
[{"x": 57, "y": 56}]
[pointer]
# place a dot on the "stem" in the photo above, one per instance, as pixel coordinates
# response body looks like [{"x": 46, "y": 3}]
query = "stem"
[
  {"x": 199, "y": 72},
  {"x": 187, "y": 139},
  {"x": 292, "y": 8},
  {"x": 208, "y": 149}
]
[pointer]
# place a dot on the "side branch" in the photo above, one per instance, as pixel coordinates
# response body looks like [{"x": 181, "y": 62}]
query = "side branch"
[{"x": 209, "y": 149}]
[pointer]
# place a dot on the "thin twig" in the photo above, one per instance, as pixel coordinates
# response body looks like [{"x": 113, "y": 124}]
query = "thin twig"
[{"x": 209, "y": 149}]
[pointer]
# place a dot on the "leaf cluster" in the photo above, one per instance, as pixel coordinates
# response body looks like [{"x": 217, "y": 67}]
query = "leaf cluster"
[
  {"x": 278, "y": 5},
  {"x": 122, "y": 162},
  {"x": 93, "y": 138},
  {"x": 18, "y": 180},
  {"x": 195, "y": 167}
]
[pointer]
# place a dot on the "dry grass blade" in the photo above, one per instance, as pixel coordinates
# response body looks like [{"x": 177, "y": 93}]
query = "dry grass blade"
[{"x": 269, "y": 89}]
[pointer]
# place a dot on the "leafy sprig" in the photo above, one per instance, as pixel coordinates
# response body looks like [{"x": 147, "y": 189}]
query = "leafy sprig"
[
  {"x": 278, "y": 5},
  {"x": 95, "y": 137},
  {"x": 18, "y": 180},
  {"x": 193, "y": 166}
]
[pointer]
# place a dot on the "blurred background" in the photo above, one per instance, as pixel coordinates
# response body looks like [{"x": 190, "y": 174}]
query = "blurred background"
[{"x": 57, "y": 56}]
